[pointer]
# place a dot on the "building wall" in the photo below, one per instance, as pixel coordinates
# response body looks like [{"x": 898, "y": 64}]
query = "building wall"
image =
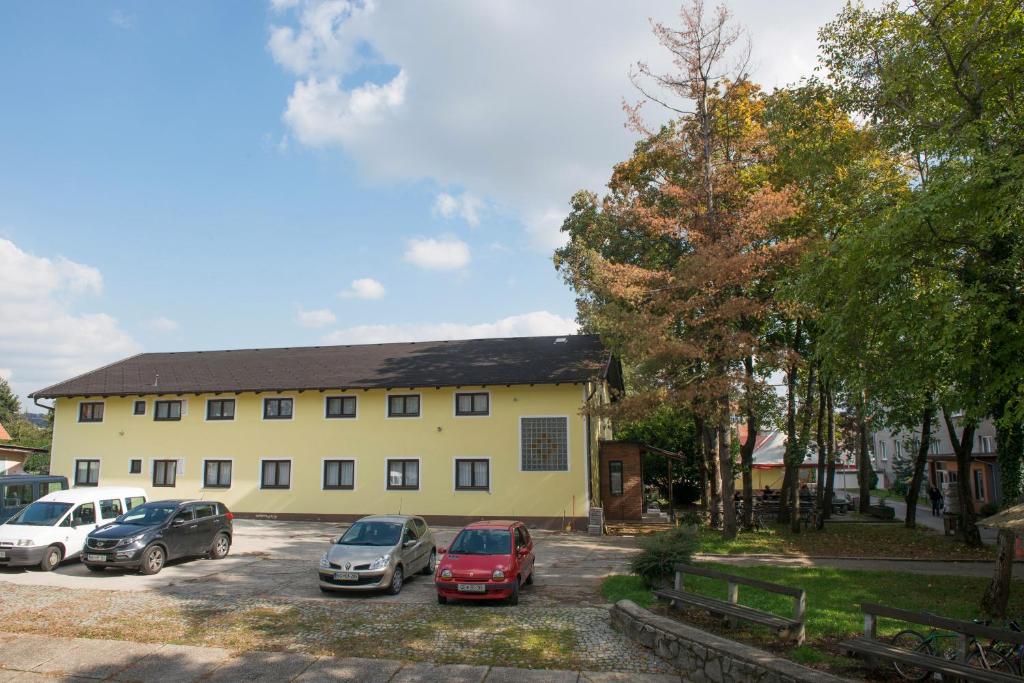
[
  {"x": 436, "y": 438},
  {"x": 629, "y": 505}
]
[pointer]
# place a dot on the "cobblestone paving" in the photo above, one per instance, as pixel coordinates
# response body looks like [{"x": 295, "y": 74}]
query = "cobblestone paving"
[{"x": 556, "y": 636}]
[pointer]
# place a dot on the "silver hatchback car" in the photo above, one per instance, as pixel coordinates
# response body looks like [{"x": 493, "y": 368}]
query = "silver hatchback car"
[{"x": 378, "y": 552}]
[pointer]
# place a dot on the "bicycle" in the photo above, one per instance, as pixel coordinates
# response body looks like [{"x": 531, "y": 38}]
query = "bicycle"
[
  {"x": 978, "y": 656},
  {"x": 1014, "y": 654}
]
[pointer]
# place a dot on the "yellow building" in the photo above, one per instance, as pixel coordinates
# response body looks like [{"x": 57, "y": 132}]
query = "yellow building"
[{"x": 454, "y": 431}]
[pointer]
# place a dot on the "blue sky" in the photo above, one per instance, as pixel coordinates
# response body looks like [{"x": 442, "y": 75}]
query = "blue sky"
[{"x": 195, "y": 175}]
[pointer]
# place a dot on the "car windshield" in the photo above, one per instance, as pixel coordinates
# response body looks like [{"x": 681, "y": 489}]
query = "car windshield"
[
  {"x": 482, "y": 542},
  {"x": 41, "y": 513},
  {"x": 147, "y": 515},
  {"x": 372, "y": 533}
]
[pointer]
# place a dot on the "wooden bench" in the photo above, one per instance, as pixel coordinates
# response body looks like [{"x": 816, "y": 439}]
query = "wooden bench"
[
  {"x": 787, "y": 629},
  {"x": 875, "y": 651},
  {"x": 769, "y": 510}
]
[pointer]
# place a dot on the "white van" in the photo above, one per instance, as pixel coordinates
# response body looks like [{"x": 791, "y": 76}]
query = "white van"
[{"x": 54, "y": 527}]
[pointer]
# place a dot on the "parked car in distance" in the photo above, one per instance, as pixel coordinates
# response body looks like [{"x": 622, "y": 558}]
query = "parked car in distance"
[
  {"x": 147, "y": 536},
  {"x": 54, "y": 528},
  {"x": 378, "y": 552},
  {"x": 486, "y": 561},
  {"x": 18, "y": 490}
]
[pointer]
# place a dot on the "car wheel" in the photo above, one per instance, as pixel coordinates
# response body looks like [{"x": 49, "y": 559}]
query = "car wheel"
[
  {"x": 51, "y": 558},
  {"x": 514, "y": 598},
  {"x": 153, "y": 559},
  {"x": 95, "y": 567},
  {"x": 441, "y": 600},
  {"x": 221, "y": 546},
  {"x": 529, "y": 579},
  {"x": 396, "y": 581},
  {"x": 431, "y": 563}
]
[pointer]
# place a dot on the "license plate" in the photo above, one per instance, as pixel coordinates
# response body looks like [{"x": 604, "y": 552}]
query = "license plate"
[
  {"x": 472, "y": 588},
  {"x": 346, "y": 576},
  {"x": 3, "y": 554},
  {"x": 96, "y": 558}
]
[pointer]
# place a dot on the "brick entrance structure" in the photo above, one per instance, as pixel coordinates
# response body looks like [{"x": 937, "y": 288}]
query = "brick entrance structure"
[{"x": 622, "y": 481}]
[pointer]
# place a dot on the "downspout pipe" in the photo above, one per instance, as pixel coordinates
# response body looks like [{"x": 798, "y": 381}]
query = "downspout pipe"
[{"x": 590, "y": 457}]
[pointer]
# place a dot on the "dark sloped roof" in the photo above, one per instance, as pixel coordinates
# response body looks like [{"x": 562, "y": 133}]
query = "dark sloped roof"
[{"x": 473, "y": 362}]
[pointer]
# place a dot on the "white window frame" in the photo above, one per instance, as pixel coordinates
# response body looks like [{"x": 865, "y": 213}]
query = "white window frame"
[
  {"x": 387, "y": 405},
  {"x": 568, "y": 445},
  {"x": 343, "y": 417},
  {"x": 455, "y": 474},
  {"x": 262, "y": 405},
  {"x": 78, "y": 412},
  {"x": 291, "y": 472},
  {"x": 387, "y": 474},
  {"x": 144, "y": 413},
  {"x": 234, "y": 416},
  {"x": 202, "y": 482},
  {"x": 323, "y": 473},
  {"x": 455, "y": 404}
]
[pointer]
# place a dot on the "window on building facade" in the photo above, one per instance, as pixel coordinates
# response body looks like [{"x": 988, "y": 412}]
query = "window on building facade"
[
  {"x": 406, "y": 405},
  {"x": 90, "y": 412},
  {"x": 544, "y": 444},
  {"x": 897, "y": 449},
  {"x": 935, "y": 446},
  {"x": 217, "y": 474},
  {"x": 472, "y": 474},
  {"x": 988, "y": 444},
  {"x": 139, "y": 408},
  {"x": 166, "y": 411},
  {"x": 339, "y": 474},
  {"x": 135, "y": 466},
  {"x": 340, "y": 406},
  {"x": 615, "y": 477},
  {"x": 403, "y": 475},
  {"x": 87, "y": 472},
  {"x": 277, "y": 474},
  {"x": 979, "y": 485},
  {"x": 165, "y": 472},
  {"x": 277, "y": 409},
  {"x": 881, "y": 450},
  {"x": 220, "y": 409},
  {"x": 475, "y": 403}
]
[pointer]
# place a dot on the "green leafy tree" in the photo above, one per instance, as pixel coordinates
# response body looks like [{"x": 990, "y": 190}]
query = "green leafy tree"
[{"x": 10, "y": 406}]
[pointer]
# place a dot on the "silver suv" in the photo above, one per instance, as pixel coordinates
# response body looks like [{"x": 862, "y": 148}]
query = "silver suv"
[{"x": 378, "y": 552}]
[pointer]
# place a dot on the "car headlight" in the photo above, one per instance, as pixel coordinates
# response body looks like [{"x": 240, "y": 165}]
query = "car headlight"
[
  {"x": 446, "y": 573},
  {"x": 324, "y": 562},
  {"x": 132, "y": 540},
  {"x": 380, "y": 562},
  {"x": 497, "y": 575},
  {"x": 23, "y": 542}
]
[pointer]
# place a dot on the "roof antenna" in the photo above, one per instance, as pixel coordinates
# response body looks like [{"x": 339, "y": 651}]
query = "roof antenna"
[{"x": 156, "y": 380}]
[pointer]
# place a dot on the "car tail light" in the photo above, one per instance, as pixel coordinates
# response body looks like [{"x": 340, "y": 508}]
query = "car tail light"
[{"x": 231, "y": 516}]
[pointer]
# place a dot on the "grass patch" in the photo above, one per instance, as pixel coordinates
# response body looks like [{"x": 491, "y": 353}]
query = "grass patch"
[
  {"x": 844, "y": 540},
  {"x": 622, "y": 587},
  {"x": 833, "y": 606}
]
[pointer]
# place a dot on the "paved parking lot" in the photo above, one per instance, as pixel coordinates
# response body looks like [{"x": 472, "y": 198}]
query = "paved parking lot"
[
  {"x": 281, "y": 559},
  {"x": 264, "y": 596}
]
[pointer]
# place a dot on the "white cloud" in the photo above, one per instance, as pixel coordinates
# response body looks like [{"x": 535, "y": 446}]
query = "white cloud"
[
  {"x": 162, "y": 324},
  {"x": 520, "y": 123},
  {"x": 443, "y": 253},
  {"x": 466, "y": 206},
  {"x": 122, "y": 20},
  {"x": 319, "y": 317},
  {"x": 364, "y": 288},
  {"x": 537, "y": 323},
  {"x": 43, "y": 339}
]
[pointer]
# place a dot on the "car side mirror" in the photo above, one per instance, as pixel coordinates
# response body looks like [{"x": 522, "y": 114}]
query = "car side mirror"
[
  {"x": 442, "y": 551},
  {"x": 337, "y": 540},
  {"x": 524, "y": 550}
]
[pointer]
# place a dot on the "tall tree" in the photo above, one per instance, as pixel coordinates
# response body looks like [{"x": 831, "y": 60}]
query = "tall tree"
[{"x": 10, "y": 406}]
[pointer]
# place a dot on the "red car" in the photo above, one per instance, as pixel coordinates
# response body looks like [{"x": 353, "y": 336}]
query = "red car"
[{"x": 486, "y": 561}]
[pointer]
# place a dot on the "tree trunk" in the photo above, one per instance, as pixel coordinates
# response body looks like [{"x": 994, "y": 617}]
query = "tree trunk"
[
  {"x": 702, "y": 458},
  {"x": 711, "y": 448},
  {"x": 800, "y": 449},
  {"x": 830, "y": 484},
  {"x": 789, "y": 481},
  {"x": 963, "y": 446},
  {"x": 1010, "y": 451},
  {"x": 747, "y": 450},
  {"x": 819, "y": 441},
  {"x": 726, "y": 470},
  {"x": 863, "y": 457},
  {"x": 919, "y": 464}
]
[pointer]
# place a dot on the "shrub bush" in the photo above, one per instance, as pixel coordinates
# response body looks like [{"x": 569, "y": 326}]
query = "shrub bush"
[
  {"x": 660, "y": 553},
  {"x": 988, "y": 509}
]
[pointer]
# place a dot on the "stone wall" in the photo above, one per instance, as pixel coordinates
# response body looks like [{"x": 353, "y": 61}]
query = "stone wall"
[{"x": 701, "y": 656}]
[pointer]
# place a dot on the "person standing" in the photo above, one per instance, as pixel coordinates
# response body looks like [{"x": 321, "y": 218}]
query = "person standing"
[{"x": 936, "y": 497}]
